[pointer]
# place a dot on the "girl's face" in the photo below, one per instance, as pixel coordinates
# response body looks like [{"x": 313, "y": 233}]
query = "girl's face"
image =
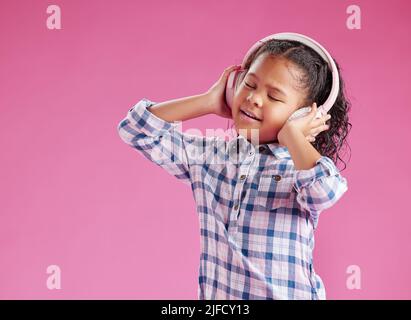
[{"x": 269, "y": 91}]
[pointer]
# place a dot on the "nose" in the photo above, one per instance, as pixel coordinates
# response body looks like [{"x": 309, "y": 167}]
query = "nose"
[{"x": 254, "y": 99}]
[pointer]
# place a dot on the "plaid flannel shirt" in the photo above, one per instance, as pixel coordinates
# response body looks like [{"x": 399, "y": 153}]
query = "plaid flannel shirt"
[{"x": 257, "y": 213}]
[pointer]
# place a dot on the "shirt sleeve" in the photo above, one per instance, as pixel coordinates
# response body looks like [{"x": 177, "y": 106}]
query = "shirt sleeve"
[
  {"x": 320, "y": 187},
  {"x": 157, "y": 140}
]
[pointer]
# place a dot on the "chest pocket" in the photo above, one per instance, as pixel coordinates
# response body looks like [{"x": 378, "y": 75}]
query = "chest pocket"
[{"x": 275, "y": 189}]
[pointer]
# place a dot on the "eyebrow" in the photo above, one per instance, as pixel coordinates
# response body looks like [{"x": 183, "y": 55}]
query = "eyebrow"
[{"x": 271, "y": 87}]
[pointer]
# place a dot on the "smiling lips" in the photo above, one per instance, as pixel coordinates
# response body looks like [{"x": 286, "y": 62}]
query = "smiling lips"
[{"x": 249, "y": 114}]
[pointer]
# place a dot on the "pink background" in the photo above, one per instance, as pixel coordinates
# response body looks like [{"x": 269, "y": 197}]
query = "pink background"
[{"x": 73, "y": 194}]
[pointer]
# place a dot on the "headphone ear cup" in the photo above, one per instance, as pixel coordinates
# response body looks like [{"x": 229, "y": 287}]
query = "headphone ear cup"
[
  {"x": 240, "y": 77},
  {"x": 233, "y": 81},
  {"x": 230, "y": 89}
]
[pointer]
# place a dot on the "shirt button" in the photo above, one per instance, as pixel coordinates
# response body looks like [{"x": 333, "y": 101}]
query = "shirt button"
[
  {"x": 242, "y": 177},
  {"x": 251, "y": 153},
  {"x": 277, "y": 177},
  {"x": 261, "y": 149},
  {"x": 236, "y": 207}
]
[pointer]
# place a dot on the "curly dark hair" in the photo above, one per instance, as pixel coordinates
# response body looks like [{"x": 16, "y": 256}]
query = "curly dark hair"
[{"x": 316, "y": 81}]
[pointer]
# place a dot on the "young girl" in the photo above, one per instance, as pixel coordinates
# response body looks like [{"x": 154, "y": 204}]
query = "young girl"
[{"x": 257, "y": 214}]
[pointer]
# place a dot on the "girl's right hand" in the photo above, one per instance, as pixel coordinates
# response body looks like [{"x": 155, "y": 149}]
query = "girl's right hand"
[{"x": 216, "y": 95}]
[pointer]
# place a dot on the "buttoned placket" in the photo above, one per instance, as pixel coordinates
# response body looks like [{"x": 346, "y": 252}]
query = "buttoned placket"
[{"x": 243, "y": 172}]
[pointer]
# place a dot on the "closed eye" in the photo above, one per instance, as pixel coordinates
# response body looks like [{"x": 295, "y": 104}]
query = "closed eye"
[{"x": 249, "y": 86}]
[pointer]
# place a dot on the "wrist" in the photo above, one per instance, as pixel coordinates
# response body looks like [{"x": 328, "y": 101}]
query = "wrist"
[
  {"x": 281, "y": 134},
  {"x": 285, "y": 133},
  {"x": 208, "y": 105}
]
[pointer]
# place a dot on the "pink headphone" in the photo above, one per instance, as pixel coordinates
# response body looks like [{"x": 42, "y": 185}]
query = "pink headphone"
[{"x": 234, "y": 76}]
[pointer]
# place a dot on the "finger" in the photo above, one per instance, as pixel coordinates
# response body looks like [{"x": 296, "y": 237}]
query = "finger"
[
  {"x": 326, "y": 118},
  {"x": 318, "y": 131},
  {"x": 232, "y": 68},
  {"x": 310, "y": 137},
  {"x": 321, "y": 121},
  {"x": 313, "y": 111},
  {"x": 314, "y": 132},
  {"x": 228, "y": 70},
  {"x": 314, "y": 108}
]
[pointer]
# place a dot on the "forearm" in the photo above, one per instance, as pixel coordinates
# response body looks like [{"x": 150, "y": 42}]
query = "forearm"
[
  {"x": 303, "y": 154},
  {"x": 182, "y": 109}
]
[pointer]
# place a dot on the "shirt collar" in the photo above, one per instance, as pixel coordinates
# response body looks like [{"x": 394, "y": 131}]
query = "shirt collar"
[{"x": 279, "y": 151}]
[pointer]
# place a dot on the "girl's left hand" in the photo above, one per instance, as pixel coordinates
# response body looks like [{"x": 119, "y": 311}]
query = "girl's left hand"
[{"x": 307, "y": 125}]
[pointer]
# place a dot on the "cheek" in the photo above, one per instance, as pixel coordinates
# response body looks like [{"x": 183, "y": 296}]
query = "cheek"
[
  {"x": 239, "y": 96},
  {"x": 237, "y": 100},
  {"x": 234, "y": 107},
  {"x": 274, "y": 117},
  {"x": 274, "y": 120}
]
